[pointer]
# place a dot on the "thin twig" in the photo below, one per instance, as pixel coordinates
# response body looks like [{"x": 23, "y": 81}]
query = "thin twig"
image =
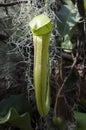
[
  {"x": 65, "y": 80},
  {"x": 6, "y": 9}
]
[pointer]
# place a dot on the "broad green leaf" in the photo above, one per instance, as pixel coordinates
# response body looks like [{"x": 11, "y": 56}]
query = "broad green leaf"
[
  {"x": 20, "y": 121},
  {"x": 85, "y": 4},
  {"x": 67, "y": 44},
  {"x": 67, "y": 19},
  {"x": 18, "y": 102},
  {"x": 80, "y": 120},
  {"x": 70, "y": 3}
]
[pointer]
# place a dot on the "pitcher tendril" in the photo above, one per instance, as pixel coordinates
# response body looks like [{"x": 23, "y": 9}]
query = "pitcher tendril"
[{"x": 41, "y": 27}]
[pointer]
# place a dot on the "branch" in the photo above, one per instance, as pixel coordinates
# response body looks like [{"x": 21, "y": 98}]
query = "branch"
[
  {"x": 69, "y": 57},
  {"x": 12, "y": 3}
]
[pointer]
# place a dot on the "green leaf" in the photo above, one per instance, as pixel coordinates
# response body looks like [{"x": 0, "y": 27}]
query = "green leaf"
[
  {"x": 67, "y": 44},
  {"x": 70, "y": 3},
  {"x": 18, "y": 102},
  {"x": 20, "y": 121},
  {"x": 80, "y": 120},
  {"x": 67, "y": 19},
  {"x": 85, "y": 4}
]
